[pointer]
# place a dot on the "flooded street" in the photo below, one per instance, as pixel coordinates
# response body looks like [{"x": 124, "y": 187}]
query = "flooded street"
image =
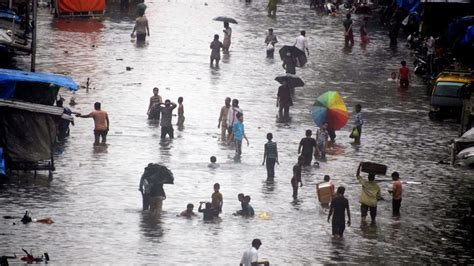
[{"x": 94, "y": 198}]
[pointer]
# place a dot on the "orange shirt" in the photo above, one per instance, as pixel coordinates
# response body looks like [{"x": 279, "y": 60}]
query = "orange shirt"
[
  {"x": 100, "y": 120},
  {"x": 397, "y": 189}
]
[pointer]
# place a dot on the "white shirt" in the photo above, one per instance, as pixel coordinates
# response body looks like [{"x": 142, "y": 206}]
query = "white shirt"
[
  {"x": 249, "y": 256},
  {"x": 301, "y": 43},
  {"x": 232, "y": 115}
]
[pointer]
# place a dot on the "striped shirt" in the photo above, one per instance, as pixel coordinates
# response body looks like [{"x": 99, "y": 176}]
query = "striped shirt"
[{"x": 271, "y": 150}]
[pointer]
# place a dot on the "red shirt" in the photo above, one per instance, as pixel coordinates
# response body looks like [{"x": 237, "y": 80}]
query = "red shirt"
[{"x": 404, "y": 73}]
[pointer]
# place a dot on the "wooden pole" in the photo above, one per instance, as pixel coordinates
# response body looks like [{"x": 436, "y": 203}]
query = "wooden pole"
[
  {"x": 10, "y": 4},
  {"x": 33, "y": 37}
]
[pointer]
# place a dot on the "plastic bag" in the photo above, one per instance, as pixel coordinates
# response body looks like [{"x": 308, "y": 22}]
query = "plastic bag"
[{"x": 270, "y": 47}]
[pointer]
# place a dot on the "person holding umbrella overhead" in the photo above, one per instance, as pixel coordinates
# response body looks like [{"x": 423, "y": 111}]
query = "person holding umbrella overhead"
[
  {"x": 289, "y": 63},
  {"x": 284, "y": 101},
  {"x": 151, "y": 186}
]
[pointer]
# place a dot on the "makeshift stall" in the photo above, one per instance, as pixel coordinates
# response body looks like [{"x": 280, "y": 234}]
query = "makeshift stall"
[
  {"x": 28, "y": 118},
  {"x": 80, "y": 7}
]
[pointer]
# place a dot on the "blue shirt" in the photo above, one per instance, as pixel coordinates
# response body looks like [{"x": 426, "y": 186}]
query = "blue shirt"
[
  {"x": 238, "y": 131},
  {"x": 359, "y": 121}
]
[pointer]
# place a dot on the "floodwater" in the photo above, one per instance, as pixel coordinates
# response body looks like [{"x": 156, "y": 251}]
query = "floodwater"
[{"x": 93, "y": 197}]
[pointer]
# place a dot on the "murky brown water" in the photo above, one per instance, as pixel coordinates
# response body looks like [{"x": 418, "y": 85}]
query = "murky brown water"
[{"x": 94, "y": 200}]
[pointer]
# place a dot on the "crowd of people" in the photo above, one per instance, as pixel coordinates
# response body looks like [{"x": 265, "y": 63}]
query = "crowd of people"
[{"x": 232, "y": 132}]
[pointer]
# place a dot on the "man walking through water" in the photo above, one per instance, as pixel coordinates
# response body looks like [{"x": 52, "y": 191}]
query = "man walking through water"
[
  {"x": 141, "y": 27},
  {"x": 348, "y": 34},
  {"x": 369, "y": 196},
  {"x": 166, "y": 117},
  {"x": 284, "y": 101},
  {"x": 302, "y": 44},
  {"x": 339, "y": 205},
  {"x": 101, "y": 124},
  {"x": 223, "y": 119}
]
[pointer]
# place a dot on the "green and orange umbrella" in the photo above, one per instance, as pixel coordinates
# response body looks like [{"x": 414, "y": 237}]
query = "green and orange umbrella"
[{"x": 330, "y": 108}]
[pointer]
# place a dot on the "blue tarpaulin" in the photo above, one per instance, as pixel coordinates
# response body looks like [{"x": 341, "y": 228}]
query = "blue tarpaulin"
[
  {"x": 9, "y": 78},
  {"x": 2, "y": 163},
  {"x": 408, "y": 4},
  {"x": 8, "y": 14}
]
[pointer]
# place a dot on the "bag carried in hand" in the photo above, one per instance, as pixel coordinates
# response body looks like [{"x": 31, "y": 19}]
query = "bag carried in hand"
[{"x": 355, "y": 133}]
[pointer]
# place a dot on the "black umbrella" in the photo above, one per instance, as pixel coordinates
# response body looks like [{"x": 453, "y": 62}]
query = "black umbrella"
[
  {"x": 295, "y": 52},
  {"x": 226, "y": 19},
  {"x": 158, "y": 174},
  {"x": 293, "y": 81}
]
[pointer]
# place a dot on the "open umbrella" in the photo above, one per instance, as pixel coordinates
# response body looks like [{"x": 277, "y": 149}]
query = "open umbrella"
[
  {"x": 293, "y": 81},
  {"x": 330, "y": 108},
  {"x": 295, "y": 52},
  {"x": 226, "y": 19},
  {"x": 158, "y": 174}
]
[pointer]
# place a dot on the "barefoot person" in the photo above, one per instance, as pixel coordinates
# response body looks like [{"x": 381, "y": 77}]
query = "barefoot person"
[
  {"x": 101, "y": 123},
  {"x": 238, "y": 132}
]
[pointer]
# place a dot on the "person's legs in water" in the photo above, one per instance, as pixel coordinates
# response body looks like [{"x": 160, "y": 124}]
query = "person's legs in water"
[
  {"x": 307, "y": 159},
  {"x": 238, "y": 147},
  {"x": 212, "y": 60},
  {"x": 163, "y": 132},
  {"x": 363, "y": 211},
  {"x": 294, "y": 184},
  {"x": 357, "y": 139},
  {"x": 280, "y": 112},
  {"x": 396, "y": 207},
  {"x": 332, "y": 135},
  {"x": 103, "y": 134},
  {"x": 322, "y": 150},
  {"x": 171, "y": 132},
  {"x": 96, "y": 137},
  {"x": 217, "y": 62},
  {"x": 373, "y": 214},
  {"x": 270, "y": 168},
  {"x": 286, "y": 112},
  {"x": 146, "y": 202}
]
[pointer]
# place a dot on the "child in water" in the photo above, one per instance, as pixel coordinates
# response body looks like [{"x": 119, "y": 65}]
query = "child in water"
[
  {"x": 297, "y": 176},
  {"x": 404, "y": 75},
  {"x": 213, "y": 163},
  {"x": 180, "y": 112}
]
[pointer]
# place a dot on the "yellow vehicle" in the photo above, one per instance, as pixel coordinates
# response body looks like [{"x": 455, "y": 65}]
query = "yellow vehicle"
[{"x": 446, "y": 100}]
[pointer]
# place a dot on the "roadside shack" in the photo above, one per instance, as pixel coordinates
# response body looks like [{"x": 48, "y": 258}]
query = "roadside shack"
[{"x": 28, "y": 118}]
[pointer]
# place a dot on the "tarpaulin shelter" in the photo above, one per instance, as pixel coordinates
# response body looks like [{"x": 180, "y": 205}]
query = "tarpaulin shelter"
[
  {"x": 28, "y": 117},
  {"x": 80, "y": 7}
]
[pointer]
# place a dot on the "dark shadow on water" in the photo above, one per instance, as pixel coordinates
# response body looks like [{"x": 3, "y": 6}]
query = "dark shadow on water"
[
  {"x": 151, "y": 227},
  {"x": 368, "y": 230},
  {"x": 269, "y": 186}
]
